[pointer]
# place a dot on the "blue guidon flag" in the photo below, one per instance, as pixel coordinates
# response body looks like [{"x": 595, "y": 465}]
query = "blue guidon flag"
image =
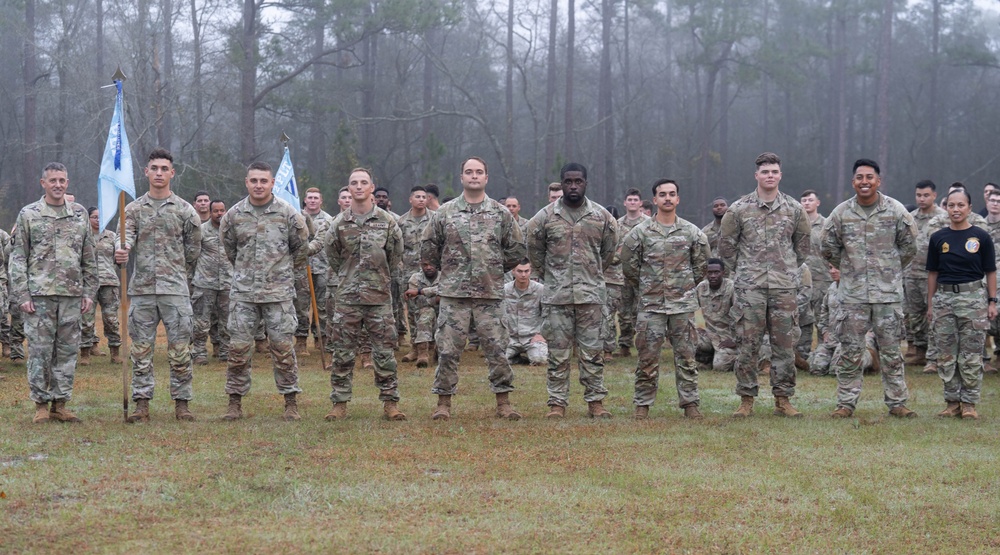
[
  {"x": 284, "y": 182},
  {"x": 116, "y": 165}
]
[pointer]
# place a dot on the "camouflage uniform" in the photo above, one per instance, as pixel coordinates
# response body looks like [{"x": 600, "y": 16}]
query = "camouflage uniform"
[
  {"x": 53, "y": 265},
  {"x": 871, "y": 252},
  {"x": 14, "y": 331},
  {"x": 165, "y": 237},
  {"x": 522, "y": 312},
  {"x": 108, "y": 295},
  {"x": 993, "y": 228},
  {"x": 614, "y": 281},
  {"x": 318, "y": 268},
  {"x": 827, "y": 358},
  {"x": 213, "y": 277},
  {"x": 364, "y": 252},
  {"x": 915, "y": 281},
  {"x": 819, "y": 272},
  {"x": 715, "y": 306},
  {"x": 763, "y": 245},
  {"x": 266, "y": 245},
  {"x": 412, "y": 227},
  {"x": 423, "y": 307},
  {"x": 665, "y": 263},
  {"x": 5, "y": 248},
  {"x": 626, "y": 312},
  {"x": 472, "y": 246},
  {"x": 803, "y": 299},
  {"x": 712, "y": 232},
  {"x": 569, "y": 249}
]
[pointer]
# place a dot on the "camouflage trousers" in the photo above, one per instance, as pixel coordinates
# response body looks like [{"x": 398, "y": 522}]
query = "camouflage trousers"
[
  {"x": 15, "y": 332},
  {"x": 422, "y": 324},
  {"x": 537, "y": 352},
  {"x": 826, "y": 359},
  {"x": 209, "y": 305},
  {"x": 303, "y": 304},
  {"x": 652, "y": 328},
  {"x": 612, "y": 307},
  {"x": 455, "y": 319},
  {"x": 805, "y": 343},
  {"x": 886, "y": 321},
  {"x": 110, "y": 301},
  {"x": 54, "y": 329},
  {"x": 279, "y": 322},
  {"x": 723, "y": 359},
  {"x": 994, "y": 332},
  {"x": 915, "y": 309},
  {"x": 960, "y": 324},
  {"x": 349, "y": 321},
  {"x": 754, "y": 313},
  {"x": 566, "y": 325},
  {"x": 398, "y": 314},
  {"x": 626, "y": 316},
  {"x": 144, "y": 314}
]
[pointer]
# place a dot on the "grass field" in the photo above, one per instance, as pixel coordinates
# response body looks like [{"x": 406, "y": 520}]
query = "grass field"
[{"x": 871, "y": 484}]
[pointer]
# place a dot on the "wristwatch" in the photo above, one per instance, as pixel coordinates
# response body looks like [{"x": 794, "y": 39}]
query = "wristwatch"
[{"x": 993, "y": 300}]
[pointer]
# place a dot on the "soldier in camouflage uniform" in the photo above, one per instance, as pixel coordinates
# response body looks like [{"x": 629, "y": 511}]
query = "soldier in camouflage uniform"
[
  {"x": 108, "y": 295},
  {"x": 627, "y": 309},
  {"x": 514, "y": 206},
  {"x": 993, "y": 228},
  {"x": 614, "y": 282},
  {"x": 5, "y": 248},
  {"x": 819, "y": 273},
  {"x": 765, "y": 238},
  {"x": 364, "y": 247},
  {"x": 665, "y": 258},
  {"x": 870, "y": 238},
  {"x": 213, "y": 278},
  {"x": 915, "y": 275},
  {"x": 382, "y": 201},
  {"x": 13, "y": 331},
  {"x": 53, "y": 277},
  {"x": 803, "y": 300},
  {"x": 570, "y": 243},
  {"x": 719, "y": 207},
  {"x": 412, "y": 224},
  {"x": 522, "y": 310},
  {"x": 422, "y": 296},
  {"x": 318, "y": 268},
  {"x": 716, "y": 345},
  {"x": 165, "y": 232},
  {"x": 266, "y": 240},
  {"x": 472, "y": 240},
  {"x": 827, "y": 358}
]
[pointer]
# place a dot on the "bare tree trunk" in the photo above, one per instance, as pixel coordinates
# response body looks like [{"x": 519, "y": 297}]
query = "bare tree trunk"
[
  {"x": 196, "y": 86},
  {"x": 317, "y": 144},
  {"x": 882, "y": 91},
  {"x": 248, "y": 82},
  {"x": 570, "y": 56},
  {"x": 723, "y": 129},
  {"x": 604, "y": 102},
  {"x": 626, "y": 118},
  {"x": 165, "y": 131},
  {"x": 930, "y": 159},
  {"x": 508, "y": 139},
  {"x": 550, "y": 95},
  {"x": 765, "y": 99},
  {"x": 30, "y": 107},
  {"x": 370, "y": 52}
]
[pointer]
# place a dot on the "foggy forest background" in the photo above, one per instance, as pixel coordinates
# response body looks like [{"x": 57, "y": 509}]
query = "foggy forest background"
[{"x": 637, "y": 90}]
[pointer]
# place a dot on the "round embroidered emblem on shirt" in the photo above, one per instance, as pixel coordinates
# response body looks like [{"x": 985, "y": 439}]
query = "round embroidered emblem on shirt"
[{"x": 972, "y": 245}]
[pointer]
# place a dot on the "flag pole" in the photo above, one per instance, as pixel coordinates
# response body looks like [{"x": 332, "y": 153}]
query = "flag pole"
[{"x": 123, "y": 318}]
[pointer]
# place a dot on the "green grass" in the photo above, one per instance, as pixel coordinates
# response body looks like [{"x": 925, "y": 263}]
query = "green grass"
[{"x": 477, "y": 485}]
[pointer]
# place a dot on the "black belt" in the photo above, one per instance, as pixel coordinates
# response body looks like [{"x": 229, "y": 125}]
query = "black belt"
[{"x": 960, "y": 287}]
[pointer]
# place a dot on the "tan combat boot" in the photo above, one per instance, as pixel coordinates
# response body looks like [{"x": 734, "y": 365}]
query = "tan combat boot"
[
  {"x": 235, "y": 409},
  {"x": 691, "y": 411},
  {"x": 595, "y": 409},
  {"x": 41, "y": 413},
  {"x": 969, "y": 411},
  {"x": 116, "y": 357},
  {"x": 141, "y": 413},
  {"x": 60, "y": 413},
  {"x": 902, "y": 412},
  {"x": 338, "y": 412},
  {"x": 930, "y": 367},
  {"x": 842, "y": 412},
  {"x": 5, "y": 350},
  {"x": 260, "y": 345},
  {"x": 84, "y": 358},
  {"x": 182, "y": 412},
  {"x": 366, "y": 361},
  {"x": 624, "y": 352},
  {"x": 801, "y": 363},
  {"x": 954, "y": 408},
  {"x": 641, "y": 412},
  {"x": 410, "y": 356},
  {"x": 392, "y": 412},
  {"x": 556, "y": 411},
  {"x": 504, "y": 408},
  {"x": 876, "y": 363},
  {"x": 746, "y": 407},
  {"x": 911, "y": 350},
  {"x": 301, "y": 350},
  {"x": 291, "y": 408},
  {"x": 783, "y": 407},
  {"x": 608, "y": 356},
  {"x": 443, "y": 410},
  {"x": 918, "y": 356},
  {"x": 95, "y": 351},
  {"x": 423, "y": 356}
]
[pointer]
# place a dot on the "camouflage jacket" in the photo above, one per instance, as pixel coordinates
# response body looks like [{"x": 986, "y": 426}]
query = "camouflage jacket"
[
  {"x": 166, "y": 243},
  {"x": 803, "y": 296},
  {"x": 715, "y": 307},
  {"x": 428, "y": 290},
  {"x": 472, "y": 248},
  {"x": 214, "y": 271},
  {"x": 993, "y": 228},
  {"x": 712, "y": 232},
  {"x": 107, "y": 271},
  {"x": 871, "y": 251},
  {"x": 917, "y": 269},
  {"x": 522, "y": 310},
  {"x": 829, "y": 312},
  {"x": 625, "y": 224},
  {"x": 364, "y": 251},
  {"x": 413, "y": 230},
  {"x": 318, "y": 263},
  {"x": 522, "y": 223},
  {"x": 665, "y": 264},
  {"x": 265, "y": 245},
  {"x": 5, "y": 248},
  {"x": 570, "y": 257},
  {"x": 763, "y": 246},
  {"x": 54, "y": 253},
  {"x": 818, "y": 267}
]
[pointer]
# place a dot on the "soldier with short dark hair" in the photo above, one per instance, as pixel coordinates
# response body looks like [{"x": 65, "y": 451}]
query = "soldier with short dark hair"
[
  {"x": 213, "y": 278},
  {"x": 108, "y": 293}
]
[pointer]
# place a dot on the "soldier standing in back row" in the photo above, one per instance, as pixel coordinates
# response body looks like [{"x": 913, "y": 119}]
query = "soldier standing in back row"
[
  {"x": 570, "y": 243},
  {"x": 266, "y": 240},
  {"x": 627, "y": 308},
  {"x": 915, "y": 275},
  {"x": 213, "y": 278},
  {"x": 53, "y": 271},
  {"x": 165, "y": 233},
  {"x": 108, "y": 295},
  {"x": 412, "y": 225},
  {"x": 765, "y": 238}
]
